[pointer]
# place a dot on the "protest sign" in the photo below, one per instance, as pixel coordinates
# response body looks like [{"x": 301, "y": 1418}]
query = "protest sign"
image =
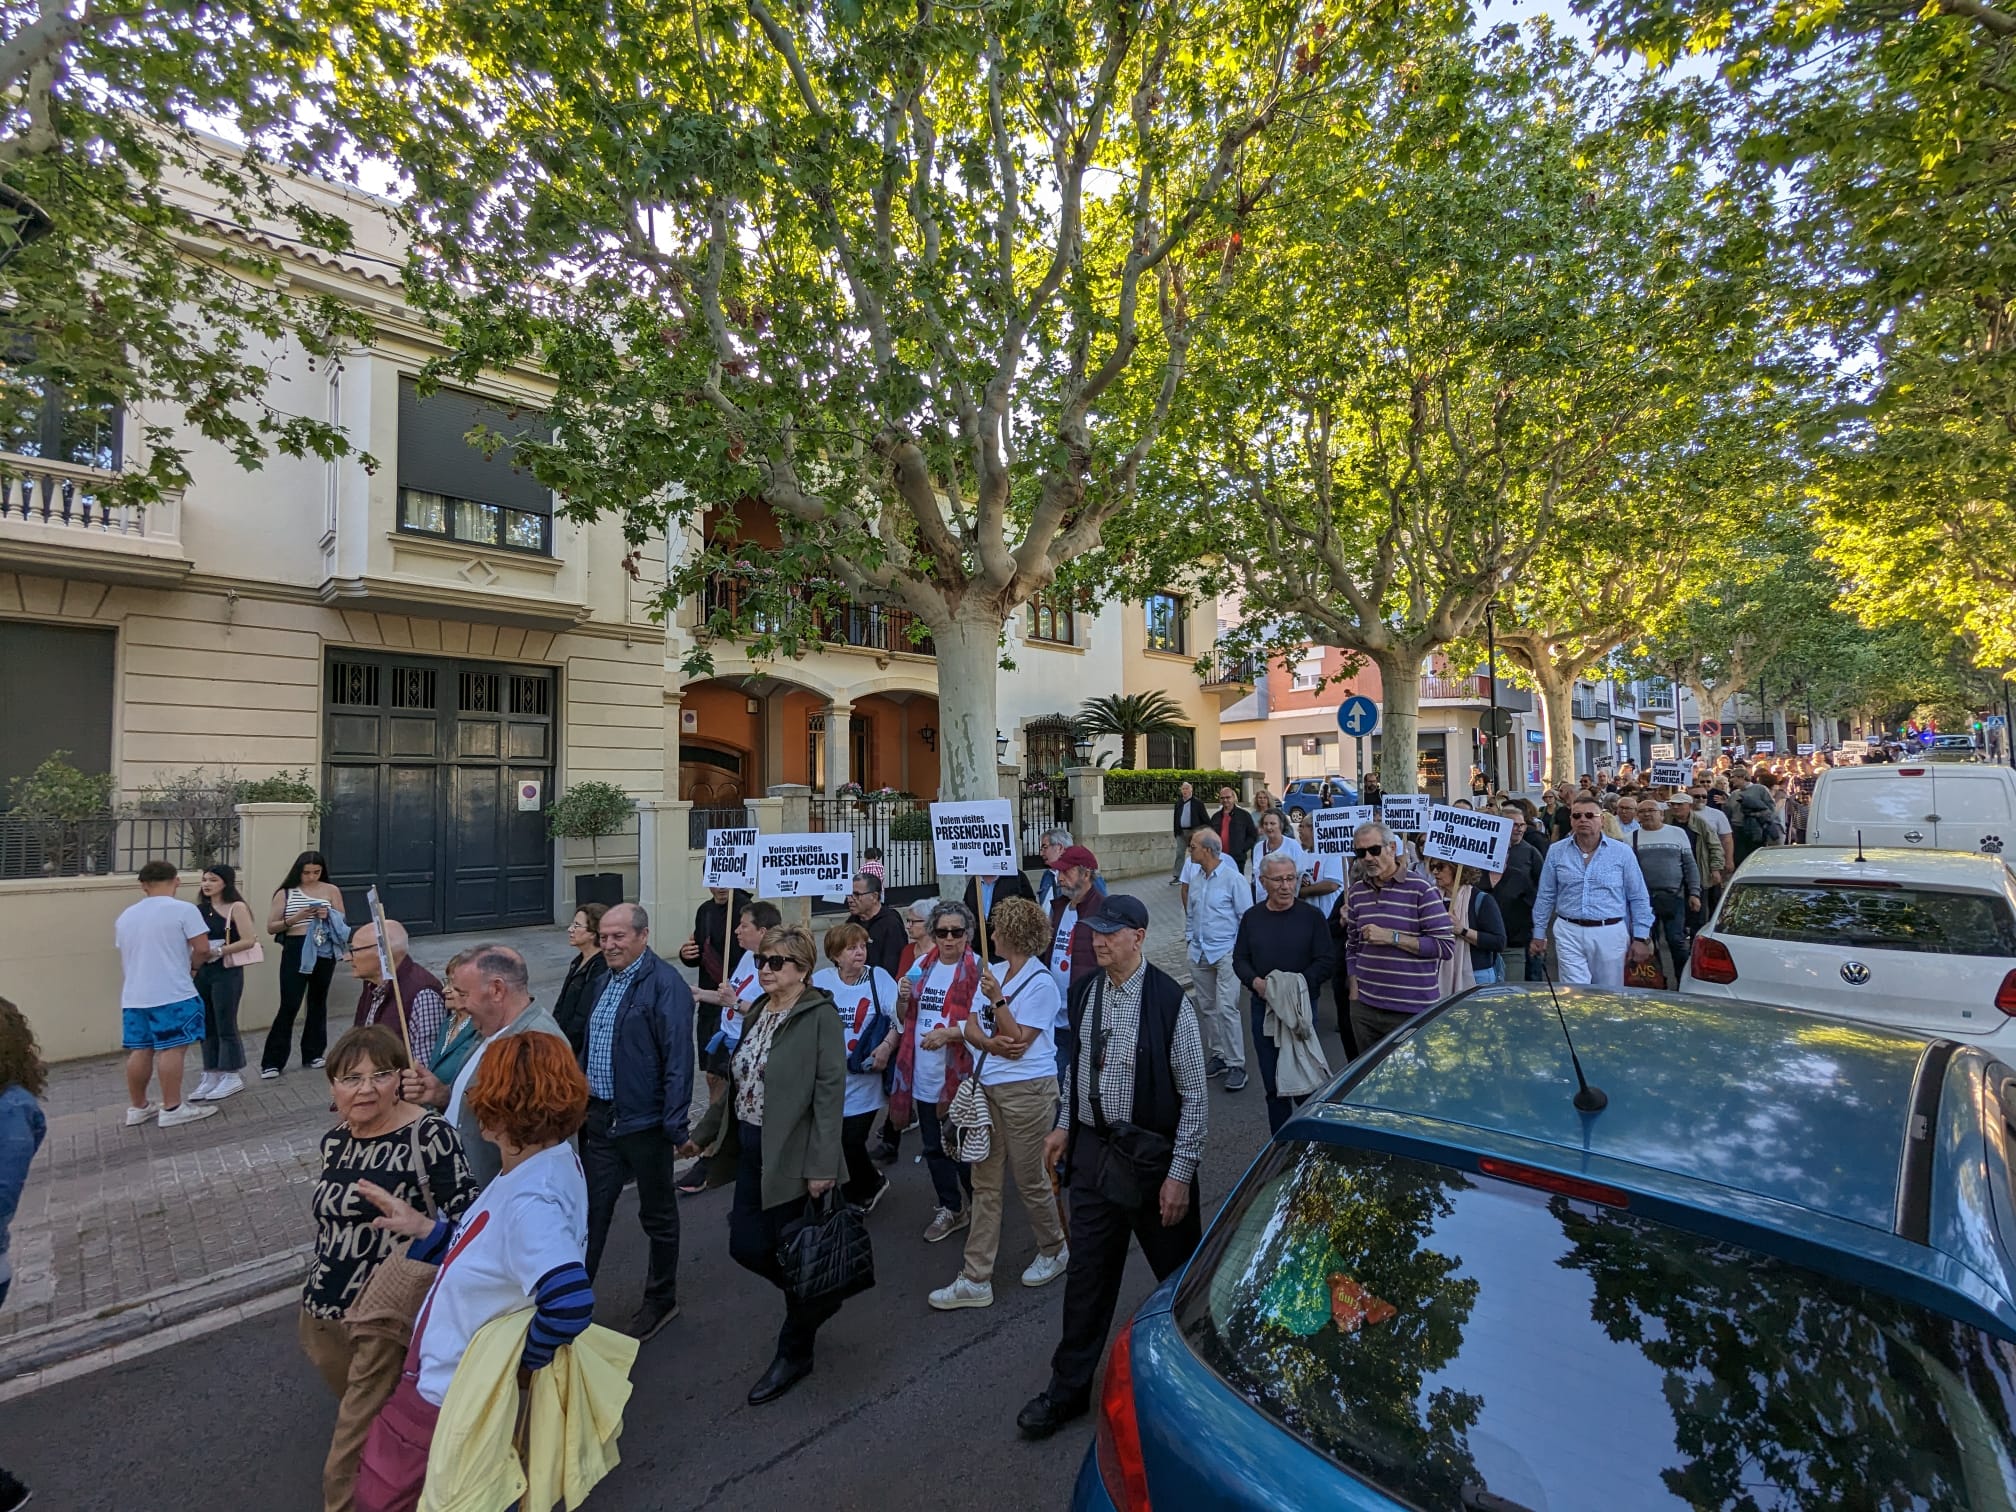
[
  {"x": 730, "y": 859},
  {"x": 1335, "y": 826},
  {"x": 1406, "y": 813},
  {"x": 1804, "y": 748},
  {"x": 1672, "y": 773},
  {"x": 974, "y": 839},
  {"x": 1468, "y": 838},
  {"x": 1665, "y": 752},
  {"x": 1766, "y": 748},
  {"x": 804, "y": 866}
]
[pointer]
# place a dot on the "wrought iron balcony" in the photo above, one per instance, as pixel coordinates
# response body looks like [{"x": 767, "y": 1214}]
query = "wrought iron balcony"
[{"x": 838, "y": 621}]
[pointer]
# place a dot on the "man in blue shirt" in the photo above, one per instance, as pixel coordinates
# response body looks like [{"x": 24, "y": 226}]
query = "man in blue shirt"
[
  {"x": 1592, "y": 901},
  {"x": 1217, "y": 899},
  {"x": 638, "y": 1053}
]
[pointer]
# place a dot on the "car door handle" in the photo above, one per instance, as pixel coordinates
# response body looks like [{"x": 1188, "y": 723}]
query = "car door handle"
[{"x": 1931, "y": 818}]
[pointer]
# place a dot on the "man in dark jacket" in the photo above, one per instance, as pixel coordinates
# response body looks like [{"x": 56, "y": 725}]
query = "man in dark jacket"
[
  {"x": 703, "y": 950},
  {"x": 419, "y": 990},
  {"x": 984, "y": 894},
  {"x": 639, "y": 1060},
  {"x": 1189, "y": 818},
  {"x": 886, "y": 934},
  {"x": 1514, "y": 893},
  {"x": 1281, "y": 933},
  {"x": 1237, "y": 833}
]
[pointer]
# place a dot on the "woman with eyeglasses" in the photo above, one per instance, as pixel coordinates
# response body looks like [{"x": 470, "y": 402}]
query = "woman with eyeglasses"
[
  {"x": 408, "y": 1151},
  {"x": 1479, "y": 925},
  {"x": 787, "y": 1089},
  {"x": 932, "y": 1058},
  {"x": 586, "y": 974}
]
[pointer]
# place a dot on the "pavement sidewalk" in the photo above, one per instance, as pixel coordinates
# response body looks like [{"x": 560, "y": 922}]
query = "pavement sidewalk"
[{"x": 123, "y": 1233}]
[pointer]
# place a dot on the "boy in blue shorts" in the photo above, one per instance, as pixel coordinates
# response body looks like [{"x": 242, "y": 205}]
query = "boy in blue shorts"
[{"x": 162, "y": 940}]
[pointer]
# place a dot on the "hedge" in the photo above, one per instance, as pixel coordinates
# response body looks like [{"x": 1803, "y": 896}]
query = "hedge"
[{"x": 1125, "y": 787}]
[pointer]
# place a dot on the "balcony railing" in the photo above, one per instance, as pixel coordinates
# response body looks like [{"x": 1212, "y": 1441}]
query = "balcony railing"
[
  {"x": 63, "y": 497},
  {"x": 1228, "y": 670},
  {"x": 1456, "y": 689},
  {"x": 839, "y": 621},
  {"x": 1623, "y": 700},
  {"x": 1583, "y": 703}
]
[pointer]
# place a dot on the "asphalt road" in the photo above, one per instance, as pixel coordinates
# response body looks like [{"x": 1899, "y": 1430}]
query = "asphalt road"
[{"x": 906, "y": 1407}]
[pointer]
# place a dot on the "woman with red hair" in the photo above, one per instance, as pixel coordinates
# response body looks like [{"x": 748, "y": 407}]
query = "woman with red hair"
[{"x": 524, "y": 1238}]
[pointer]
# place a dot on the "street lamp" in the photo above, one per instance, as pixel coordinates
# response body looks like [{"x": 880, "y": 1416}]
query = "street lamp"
[
  {"x": 1081, "y": 747},
  {"x": 1000, "y": 747}
]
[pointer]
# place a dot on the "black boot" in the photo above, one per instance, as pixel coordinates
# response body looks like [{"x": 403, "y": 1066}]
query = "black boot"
[{"x": 782, "y": 1375}]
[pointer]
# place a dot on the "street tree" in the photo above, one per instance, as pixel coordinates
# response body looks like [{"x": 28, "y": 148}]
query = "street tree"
[
  {"x": 129, "y": 283},
  {"x": 923, "y": 281},
  {"x": 1456, "y": 326}
]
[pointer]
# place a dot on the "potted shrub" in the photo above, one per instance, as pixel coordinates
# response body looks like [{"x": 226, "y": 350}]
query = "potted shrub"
[
  {"x": 589, "y": 811},
  {"x": 70, "y": 815}
]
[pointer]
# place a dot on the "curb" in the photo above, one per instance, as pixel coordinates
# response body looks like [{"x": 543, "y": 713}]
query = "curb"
[{"x": 29, "y": 1357}]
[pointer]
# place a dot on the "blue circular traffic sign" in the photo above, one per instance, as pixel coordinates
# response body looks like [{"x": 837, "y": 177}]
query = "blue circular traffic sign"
[{"x": 1358, "y": 715}]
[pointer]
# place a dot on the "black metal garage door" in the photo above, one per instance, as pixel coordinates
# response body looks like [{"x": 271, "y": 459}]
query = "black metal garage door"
[{"x": 424, "y": 760}]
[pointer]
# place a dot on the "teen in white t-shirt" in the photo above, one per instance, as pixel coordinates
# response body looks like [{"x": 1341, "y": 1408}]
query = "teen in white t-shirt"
[{"x": 153, "y": 938}]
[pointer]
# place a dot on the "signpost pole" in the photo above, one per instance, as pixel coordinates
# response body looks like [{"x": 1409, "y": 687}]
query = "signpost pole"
[
  {"x": 2008, "y": 725},
  {"x": 1491, "y": 676}
]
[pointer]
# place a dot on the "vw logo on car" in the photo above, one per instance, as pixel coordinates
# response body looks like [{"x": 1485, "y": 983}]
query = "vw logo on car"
[{"x": 1854, "y": 973}]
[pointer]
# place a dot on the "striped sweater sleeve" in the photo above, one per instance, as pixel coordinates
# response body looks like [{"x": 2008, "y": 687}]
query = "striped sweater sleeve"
[
  {"x": 563, "y": 1307},
  {"x": 432, "y": 1245}
]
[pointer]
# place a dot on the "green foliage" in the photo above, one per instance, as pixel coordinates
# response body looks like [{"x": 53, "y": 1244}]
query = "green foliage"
[
  {"x": 589, "y": 811},
  {"x": 915, "y": 824},
  {"x": 284, "y": 787},
  {"x": 1126, "y": 787},
  {"x": 1130, "y": 716},
  {"x": 58, "y": 792}
]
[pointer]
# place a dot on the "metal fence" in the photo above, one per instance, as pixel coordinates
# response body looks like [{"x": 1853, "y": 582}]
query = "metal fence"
[
  {"x": 1043, "y": 804},
  {"x": 899, "y": 828},
  {"x": 700, "y": 820},
  {"x": 113, "y": 845}
]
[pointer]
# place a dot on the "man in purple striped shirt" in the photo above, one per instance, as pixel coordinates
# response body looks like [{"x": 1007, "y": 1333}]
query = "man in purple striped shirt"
[{"x": 1396, "y": 931}]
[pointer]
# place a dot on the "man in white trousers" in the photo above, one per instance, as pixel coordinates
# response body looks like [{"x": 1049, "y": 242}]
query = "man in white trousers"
[
  {"x": 1592, "y": 902},
  {"x": 1217, "y": 898}
]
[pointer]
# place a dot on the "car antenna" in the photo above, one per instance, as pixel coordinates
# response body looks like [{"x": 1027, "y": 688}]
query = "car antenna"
[
  {"x": 1588, "y": 1099},
  {"x": 1858, "y": 846}
]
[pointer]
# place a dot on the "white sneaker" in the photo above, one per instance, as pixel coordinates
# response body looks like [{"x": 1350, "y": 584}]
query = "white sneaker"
[
  {"x": 267, "y": 1073},
  {"x": 962, "y": 1293},
  {"x": 137, "y": 1116},
  {"x": 1047, "y": 1268},
  {"x": 188, "y": 1113},
  {"x": 230, "y": 1084},
  {"x": 204, "y": 1087}
]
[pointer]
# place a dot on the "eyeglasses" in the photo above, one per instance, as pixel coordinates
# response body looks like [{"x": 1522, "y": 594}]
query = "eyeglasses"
[
  {"x": 356, "y": 1080},
  {"x": 950, "y": 934},
  {"x": 1362, "y": 851},
  {"x": 864, "y": 892},
  {"x": 774, "y": 962}
]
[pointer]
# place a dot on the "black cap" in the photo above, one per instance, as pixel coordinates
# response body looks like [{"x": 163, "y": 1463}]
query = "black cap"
[{"x": 1119, "y": 912}]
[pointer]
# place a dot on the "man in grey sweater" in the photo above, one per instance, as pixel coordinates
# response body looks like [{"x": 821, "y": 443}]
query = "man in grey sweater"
[{"x": 1665, "y": 855}]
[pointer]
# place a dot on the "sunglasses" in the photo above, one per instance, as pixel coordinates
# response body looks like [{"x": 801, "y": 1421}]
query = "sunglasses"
[
  {"x": 1362, "y": 851},
  {"x": 774, "y": 962},
  {"x": 950, "y": 934}
]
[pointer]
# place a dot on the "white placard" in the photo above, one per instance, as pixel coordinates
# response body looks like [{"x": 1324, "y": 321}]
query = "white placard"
[
  {"x": 731, "y": 858},
  {"x": 1335, "y": 826},
  {"x": 1804, "y": 748},
  {"x": 1677, "y": 774},
  {"x": 1855, "y": 748},
  {"x": 1766, "y": 748},
  {"x": 804, "y": 866},
  {"x": 974, "y": 839},
  {"x": 1664, "y": 752},
  {"x": 1405, "y": 813},
  {"x": 1468, "y": 838}
]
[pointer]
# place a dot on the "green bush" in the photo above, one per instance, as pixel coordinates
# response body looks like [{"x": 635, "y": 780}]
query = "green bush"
[
  {"x": 283, "y": 787},
  {"x": 58, "y": 792},
  {"x": 914, "y": 825},
  {"x": 588, "y": 811},
  {"x": 1124, "y": 787}
]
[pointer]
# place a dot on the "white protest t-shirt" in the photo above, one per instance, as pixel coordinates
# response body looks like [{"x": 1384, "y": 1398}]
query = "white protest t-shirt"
[
  {"x": 153, "y": 938},
  {"x": 1325, "y": 869},
  {"x": 1289, "y": 847},
  {"x": 1060, "y": 948},
  {"x": 528, "y": 1222},
  {"x": 1717, "y": 820},
  {"x": 927, "y": 1084},
  {"x": 747, "y": 990},
  {"x": 857, "y": 1006},
  {"x": 1037, "y": 1005}
]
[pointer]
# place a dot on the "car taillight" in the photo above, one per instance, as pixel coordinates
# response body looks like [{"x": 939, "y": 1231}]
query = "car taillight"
[
  {"x": 2005, "y": 995},
  {"x": 1118, "y": 1437},
  {"x": 1554, "y": 1181},
  {"x": 1910, "y": 771},
  {"x": 1711, "y": 962}
]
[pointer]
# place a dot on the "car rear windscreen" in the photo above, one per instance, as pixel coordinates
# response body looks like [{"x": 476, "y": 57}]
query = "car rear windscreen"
[
  {"x": 1927, "y": 920},
  {"x": 1461, "y": 1342}
]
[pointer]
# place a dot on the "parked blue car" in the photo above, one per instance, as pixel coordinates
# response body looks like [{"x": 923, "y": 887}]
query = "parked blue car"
[
  {"x": 1776, "y": 1271},
  {"x": 1306, "y": 793}
]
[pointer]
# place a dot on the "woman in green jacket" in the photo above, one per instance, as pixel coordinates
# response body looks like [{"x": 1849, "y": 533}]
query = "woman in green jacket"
[{"x": 786, "y": 1091}]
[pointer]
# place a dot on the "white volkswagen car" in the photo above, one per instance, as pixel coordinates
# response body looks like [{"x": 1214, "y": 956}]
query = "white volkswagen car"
[{"x": 1925, "y": 940}]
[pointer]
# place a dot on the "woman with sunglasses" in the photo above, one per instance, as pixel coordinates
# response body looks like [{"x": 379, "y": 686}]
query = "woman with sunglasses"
[
  {"x": 787, "y": 1087},
  {"x": 417, "y": 1156},
  {"x": 932, "y": 1058}
]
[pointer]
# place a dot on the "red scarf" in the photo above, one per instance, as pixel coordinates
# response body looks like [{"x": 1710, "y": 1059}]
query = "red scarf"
[{"x": 958, "y": 1058}]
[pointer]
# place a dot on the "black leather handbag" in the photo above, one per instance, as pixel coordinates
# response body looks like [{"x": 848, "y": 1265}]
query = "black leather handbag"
[
  {"x": 1133, "y": 1162},
  {"x": 824, "y": 1253}
]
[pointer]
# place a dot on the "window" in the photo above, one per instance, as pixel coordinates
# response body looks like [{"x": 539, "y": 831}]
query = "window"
[
  {"x": 1878, "y": 918},
  {"x": 41, "y": 418},
  {"x": 450, "y": 489},
  {"x": 1164, "y": 615},
  {"x": 1048, "y": 744},
  {"x": 1172, "y": 750},
  {"x": 1459, "y": 1341},
  {"x": 1052, "y": 620},
  {"x": 1308, "y": 674}
]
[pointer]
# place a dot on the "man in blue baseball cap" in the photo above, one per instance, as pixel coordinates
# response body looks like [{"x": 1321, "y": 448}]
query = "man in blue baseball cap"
[{"x": 1130, "y": 1137}]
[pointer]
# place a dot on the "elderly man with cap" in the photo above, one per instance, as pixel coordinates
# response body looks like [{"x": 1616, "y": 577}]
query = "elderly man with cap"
[
  {"x": 1072, "y": 905},
  {"x": 419, "y": 989},
  {"x": 1130, "y": 1136}
]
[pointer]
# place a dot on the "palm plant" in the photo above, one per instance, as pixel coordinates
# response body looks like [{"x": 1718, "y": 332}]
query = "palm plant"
[{"x": 1130, "y": 716}]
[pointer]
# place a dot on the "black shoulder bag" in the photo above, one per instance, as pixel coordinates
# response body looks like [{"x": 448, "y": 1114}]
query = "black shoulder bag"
[{"x": 1133, "y": 1161}]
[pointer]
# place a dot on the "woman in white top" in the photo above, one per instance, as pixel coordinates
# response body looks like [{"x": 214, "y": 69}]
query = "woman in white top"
[
  {"x": 862, "y": 994},
  {"x": 303, "y": 907},
  {"x": 1273, "y": 841},
  {"x": 1016, "y": 1032}
]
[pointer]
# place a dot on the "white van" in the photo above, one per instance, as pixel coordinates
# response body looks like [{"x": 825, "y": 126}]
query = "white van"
[{"x": 1918, "y": 805}]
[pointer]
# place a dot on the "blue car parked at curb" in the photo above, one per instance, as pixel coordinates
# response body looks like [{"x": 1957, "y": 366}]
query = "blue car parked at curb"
[
  {"x": 1777, "y": 1270},
  {"x": 1306, "y": 794}
]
